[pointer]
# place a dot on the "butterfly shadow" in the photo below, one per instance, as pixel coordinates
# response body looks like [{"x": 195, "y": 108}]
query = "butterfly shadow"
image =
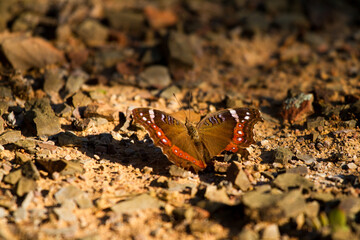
[{"x": 129, "y": 151}]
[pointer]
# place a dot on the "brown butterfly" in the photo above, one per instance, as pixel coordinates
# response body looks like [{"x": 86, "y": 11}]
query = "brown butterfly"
[{"x": 193, "y": 145}]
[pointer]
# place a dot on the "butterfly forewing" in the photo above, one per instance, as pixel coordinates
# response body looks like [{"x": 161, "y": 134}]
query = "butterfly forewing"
[
  {"x": 228, "y": 129},
  {"x": 171, "y": 136}
]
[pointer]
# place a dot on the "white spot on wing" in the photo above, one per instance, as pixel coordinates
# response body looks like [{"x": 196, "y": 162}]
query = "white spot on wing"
[
  {"x": 164, "y": 140},
  {"x": 152, "y": 115},
  {"x": 141, "y": 114},
  {"x": 234, "y": 114},
  {"x": 247, "y": 117},
  {"x": 144, "y": 118}
]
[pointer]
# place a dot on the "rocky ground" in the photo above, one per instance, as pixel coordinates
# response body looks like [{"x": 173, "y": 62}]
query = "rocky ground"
[{"x": 74, "y": 166}]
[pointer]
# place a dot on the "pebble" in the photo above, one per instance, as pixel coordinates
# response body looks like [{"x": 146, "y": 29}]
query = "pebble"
[
  {"x": 291, "y": 180},
  {"x": 84, "y": 202},
  {"x": 92, "y": 32},
  {"x": 282, "y": 155},
  {"x": 155, "y": 76},
  {"x": 176, "y": 171},
  {"x": 302, "y": 170},
  {"x": 168, "y": 93},
  {"x": 237, "y": 176},
  {"x": 65, "y": 214},
  {"x": 69, "y": 139},
  {"x": 271, "y": 232},
  {"x": 41, "y": 118},
  {"x": 76, "y": 79},
  {"x": 29, "y": 170},
  {"x": 351, "y": 166},
  {"x": 24, "y": 186},
  {"x": 20, "y": 214},
  {"x": 214, "y": 194},
  {"x": 297, "y": 108},
  {"x": 13, "y": 177},
  {"x": 54, "y": 80},
  {"x": 10, "y": 136},
  {"x": 140, "y": 202},
  {"x": 66, "y": 193},
  {"x": 307, "y": 159}
]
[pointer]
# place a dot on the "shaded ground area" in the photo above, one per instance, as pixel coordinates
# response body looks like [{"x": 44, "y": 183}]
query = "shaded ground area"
[{"x": 74, "y": 166}]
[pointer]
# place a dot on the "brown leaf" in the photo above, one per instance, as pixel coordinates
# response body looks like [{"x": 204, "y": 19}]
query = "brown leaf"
[{"x": 24, "y": 52}]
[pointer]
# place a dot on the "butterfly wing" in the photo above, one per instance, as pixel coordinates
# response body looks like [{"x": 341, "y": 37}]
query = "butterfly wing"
[
  {"x": 229, "y": 129},
  {"x": 171, "y": 136}
]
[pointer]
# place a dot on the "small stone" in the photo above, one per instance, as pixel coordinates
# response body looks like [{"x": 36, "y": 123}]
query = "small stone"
[
  {"x": 4, "y": 105},
  {"x": 271, "y": 232},
  {"x": 238, "y": 177},
  {"x": 92, "y": 32},
  {"x": 54, "y": 80},
  {"x": 65, "y": 214},
  {"x": 63, "y": 110},
  {"x": 322, "y": 196},
  {"x": 350, "y": 206},
  {"x": 315, "y": 122},
  {"x": 168, "y": 93},
  {"x": 291, "y": 180},
  {"x": 176, "y": 171},
  {"x": 180, "y": 49},
  {"x": 41, "y": 118},
  {"x": 214, "y": 194},
  {"x": 20, "y": 214},
  {"x": 312, "y": 209},
  {"x": 221, "y": 167},
  {"x": 159, "y": 18},
  {"x": 21, "y": 158},
  {"x": 155, "y": 76},
  {"x": 182, "y": 213},
  {"x": 301, "y": 170},
  {"x": 282, "y": 155},
  {"x": 140, "y": 202},
  {"x": 147, "y": 170},
  {"x": 101, "y": 111},
  {"x": 174, "y": 186},
  {"x": 63, "y": 167},
  {"x": 297, "y": 108},
  {"x": 2, "y": 125},
  {"x": 24, "y": 186},
  {"x": 3, "y": 212},
  {"x": 307, "y": 159},
  {"x": 67, "y": 193},
  {"x": 29, "y": 170},
  {"x": 69, "y": 139},
  {"x": 125, "y": 20},
  {"x": 13, "y": 177},
  {"x": 351, "y": 166},
  {"x": 76, "y": 79},
  {"x": 84, "y": 202},
  {"x": 248, "y": 234},
  {"x": 27, "y": 144},
  {"x": 28, "y": 199},
  {"x": 80, "y": 99},
  {"x": 10, "y": 136}
]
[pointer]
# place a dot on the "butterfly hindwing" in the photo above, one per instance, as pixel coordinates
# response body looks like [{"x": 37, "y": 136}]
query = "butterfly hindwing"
[{"x": 229, "y": 129}]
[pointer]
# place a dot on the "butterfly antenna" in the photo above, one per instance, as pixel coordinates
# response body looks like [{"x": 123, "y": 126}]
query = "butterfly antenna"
[
  {"x": 181, "y": 106},
  {"x": 189, "y": 102}
]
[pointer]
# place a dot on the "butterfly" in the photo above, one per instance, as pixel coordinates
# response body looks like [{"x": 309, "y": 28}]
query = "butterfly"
[{"x": 193, "y": 145}]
